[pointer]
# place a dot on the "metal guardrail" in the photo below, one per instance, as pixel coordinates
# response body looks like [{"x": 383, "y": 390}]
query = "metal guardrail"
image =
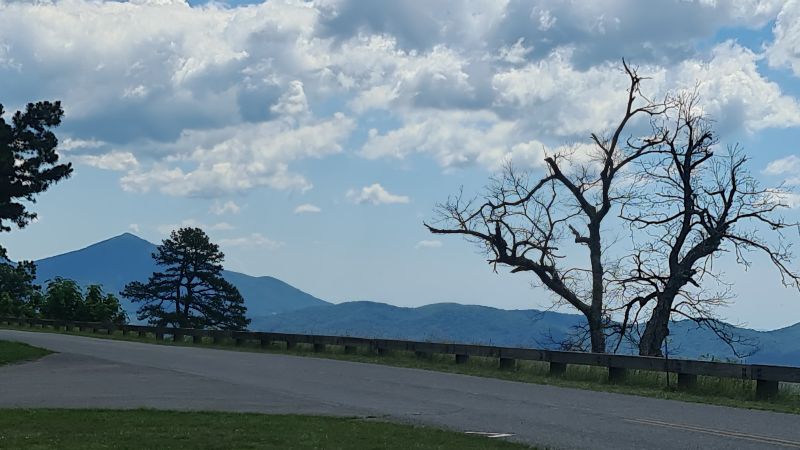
[{"x": 767, "y": 377}]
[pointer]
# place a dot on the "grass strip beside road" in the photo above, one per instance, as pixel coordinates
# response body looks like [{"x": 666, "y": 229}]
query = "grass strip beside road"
[
  {"x": 14, "y": 352},
  {"x": 710, "y": 390},
  {"x": 28, "y": 429}
]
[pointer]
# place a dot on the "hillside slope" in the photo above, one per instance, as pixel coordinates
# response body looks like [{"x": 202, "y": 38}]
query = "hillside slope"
[{"x": 124, "y": 258}]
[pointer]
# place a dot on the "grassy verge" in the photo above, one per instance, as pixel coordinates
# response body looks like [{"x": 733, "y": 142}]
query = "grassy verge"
[
  {"x": 718, "y": 391},
  {"x": 12, "y": 352},
  {"x": 143, "y": 429}
]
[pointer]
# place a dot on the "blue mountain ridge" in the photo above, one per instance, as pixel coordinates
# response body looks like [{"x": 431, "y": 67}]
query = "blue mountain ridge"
[
  {"x": 277, "y": 306},
  {"x": 125, "y": 258}
]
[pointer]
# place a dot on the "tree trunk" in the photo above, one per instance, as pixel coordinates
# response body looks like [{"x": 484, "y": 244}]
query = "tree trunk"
[
  {"x": 597, "y": 335},
  {"x": 656, "y": 330}
]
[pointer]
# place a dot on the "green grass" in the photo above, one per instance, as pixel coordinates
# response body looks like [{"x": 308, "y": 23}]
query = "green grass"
[
  {"x": 711, "y": 390},
  {"x": 150, "y": 429},
  {"x": 13, "y": 352}
]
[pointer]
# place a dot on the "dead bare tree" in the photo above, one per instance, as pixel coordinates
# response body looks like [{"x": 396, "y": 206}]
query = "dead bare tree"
[
  {"x": 691, "y": 207},
  {"x": 522, "y": 222}
]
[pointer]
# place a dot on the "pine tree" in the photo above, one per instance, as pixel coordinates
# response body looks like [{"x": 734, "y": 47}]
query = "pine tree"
[
  {"x": 28, "y": 161},
  {"x": 190, "y": 291}
]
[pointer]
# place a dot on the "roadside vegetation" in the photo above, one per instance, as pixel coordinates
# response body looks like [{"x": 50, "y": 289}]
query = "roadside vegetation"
[
  {"x": 135, "y": 429},
  {"x": 14, "y": 352},
  {"x": 710, "y": 390}
]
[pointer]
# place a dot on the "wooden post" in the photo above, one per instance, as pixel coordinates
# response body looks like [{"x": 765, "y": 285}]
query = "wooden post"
[
  {"x": 197, "y": 339},
  {"x": 686, "y": 380},
  {"x": 766, "y": 389},
  {"x": 265, "y": 343},
  {"x": 217, "y": 339},
  {"x": 350, "y": 349},
  {"x": 422, "y": 355},
  {"x": 141, "y": 333},
  {"x": 508, "y": 364},
  {"x": 383, "y": 351},
  {"x": 617, "y": 374},
  {"x": 557, "y": 368},
  {"x": 239, "y": 342},
  {"x": 462, "y": 359},
  {"x": 319, "y": 348},
  {"x": 291, "y": 345},
  {"x": 159, "y": 335}
]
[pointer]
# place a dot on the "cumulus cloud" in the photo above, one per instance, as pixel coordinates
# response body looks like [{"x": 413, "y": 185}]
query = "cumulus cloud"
[
  {"x": 784, "y": 197},
  {"x": 253, "y": 240},
  {"x": 114, "y": 160},
  {"x": 219, "y": 226},
  {"x": 428, "y": 244},
  {"x": 307, "y": 208},
  {"x": 214, "y": 100},
  {"x": 788, "y": 167},
  {"x": 239, "y": 158},
  {"x": 230, "y": 207},
  {"x": 785, "y": 49},
  {"x": 375, "y": 194},
  {"x": 134, "y": 227}
]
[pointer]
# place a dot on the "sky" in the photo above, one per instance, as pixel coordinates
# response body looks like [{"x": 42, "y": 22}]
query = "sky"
[{"x": 312, "y": 139}]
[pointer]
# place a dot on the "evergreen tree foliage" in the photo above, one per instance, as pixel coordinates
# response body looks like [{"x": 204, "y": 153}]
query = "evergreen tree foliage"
[
  {"x": 190, "y": 291},
  {"x": 28, "y": 161},
  {"x": 102, "y": 307},
  {"x": 19, "y": 296}
]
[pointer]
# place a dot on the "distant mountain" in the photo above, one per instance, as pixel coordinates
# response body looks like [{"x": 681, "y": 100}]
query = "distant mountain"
[
  {"x": 449, "y": 322},
  {"x": 124, "y": 258},
  {"x": 276, "y": 306},
  {"x": 444, "y": 322}
]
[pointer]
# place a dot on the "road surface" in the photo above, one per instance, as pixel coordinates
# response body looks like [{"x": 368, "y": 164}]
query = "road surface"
[{"x": 91, "y": 372}]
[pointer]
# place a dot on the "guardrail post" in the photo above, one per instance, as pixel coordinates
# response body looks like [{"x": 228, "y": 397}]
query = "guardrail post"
[
  {"x": 686, "y": 380},
  {"x": 94, "y": 330},
  {"x": 350, "y": 349},
  {"x": 265, "y": 343},
  {"x": 383, "y": 351},
  {"x": 508, "y": 363},
  {"x": 238, "y": 341},
  {"x": 141, "y": 333},
  {"x": 766, "y": 389},
  {"x": 177, "y": 336},
  {"x": 617, "y": 374},
  {"x": 290, "y": 344},
  {"x": 319, "y": 348},
  {"x": 217, "y": 339},
  {"x": 159, "y": 335},
  {"x": 109, "y": 330},
  {"x": 422, "y": 355},
  {"x": 124, "y": 330},
  {"x": 557, "y": 368},
  {"x": 197, "y": 339},
  {"x": 461, "y": 358}
]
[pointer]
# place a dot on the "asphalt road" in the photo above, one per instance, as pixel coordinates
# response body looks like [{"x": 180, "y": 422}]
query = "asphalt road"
[{"x": 89, "y": 372}]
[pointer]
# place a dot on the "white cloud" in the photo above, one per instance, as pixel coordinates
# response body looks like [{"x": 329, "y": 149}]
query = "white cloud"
[
  {"x": 251, "y": 241},
  {"x": 229, "y": 207},
  {"x": 785, "y": 197},
  {"x": 376, "y": 195},
  {"x": 787, "y": 165},
  {"x": 134, "y": 227},
  {"x": 114, "y": 160},
  {"x": 219, "y": 226},
  {"x": 428, "y": 244},
  {"x": 239, "y": 158},
  {"x": 69, "y": 144},
  {"x": 213, "y": 100},
  {"x": 307, "y": 208},
  {"x": 785, "y": 49}
]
